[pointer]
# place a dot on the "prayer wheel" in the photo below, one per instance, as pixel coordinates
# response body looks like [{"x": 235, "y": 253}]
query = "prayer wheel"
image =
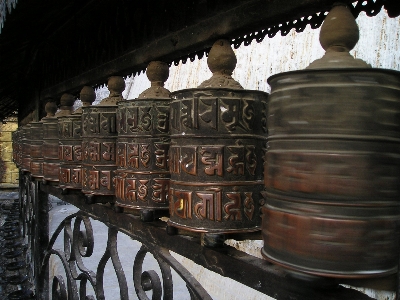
[
  {"x": 49, "y": 149},
  {"x": 332, "y": 168},
  {"x": 36, "y": 167},
  {"x": 51, "y": 160},
  {"x": 142, "y": 178},
  {"x": 99, "y": 137},
  {"x": 25, "y": 148},
  {"x": 218, "y": 133},
  {"x": 70, "y": 144}
]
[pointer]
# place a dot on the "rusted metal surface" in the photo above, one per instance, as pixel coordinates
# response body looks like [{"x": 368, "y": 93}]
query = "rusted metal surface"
[{"x": 332, "y": 172}]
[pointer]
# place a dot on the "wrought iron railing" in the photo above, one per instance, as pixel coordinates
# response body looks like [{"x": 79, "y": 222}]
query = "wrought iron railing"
[{"x": 78, "y": 281}]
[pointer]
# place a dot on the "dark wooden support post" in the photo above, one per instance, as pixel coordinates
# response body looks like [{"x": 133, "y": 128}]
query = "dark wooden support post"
[{"x": 41, "y": 227}]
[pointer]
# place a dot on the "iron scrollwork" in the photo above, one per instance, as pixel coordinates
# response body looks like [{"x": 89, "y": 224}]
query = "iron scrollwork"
[{"x": 78, "y": 243}]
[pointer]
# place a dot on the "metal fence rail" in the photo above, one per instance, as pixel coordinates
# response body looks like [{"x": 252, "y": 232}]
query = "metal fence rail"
[{"x": 78, "y": 244}]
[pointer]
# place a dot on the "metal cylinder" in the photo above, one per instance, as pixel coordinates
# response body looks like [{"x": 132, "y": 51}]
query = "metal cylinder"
[
  {"x": 332, "y": 172},
  {"x": 70, "y": 151},
  {"x": 99, "y": 136},
  {"x": 25, "y": 148},
  {"x": 36, "y": 150},
  {"x": 142, "y": 178},
  {"x": 51, "y": 163},
  {"x": 216, "y": 159}
]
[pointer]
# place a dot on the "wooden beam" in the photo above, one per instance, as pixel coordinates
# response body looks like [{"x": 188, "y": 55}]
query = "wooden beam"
[{"x": 246, "y": 17}]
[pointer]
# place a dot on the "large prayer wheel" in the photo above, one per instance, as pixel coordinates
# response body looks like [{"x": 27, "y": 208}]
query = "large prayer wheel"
[
  {"x": 99, "y": 137},
  {"x": 142, "y": 178},
  {"x": 332, "y": 168},
  {"x": 36, "y": 166},
  {"x": 25, "y": 148},
  {"x": 218, "y": 133},
  {"x": 70, "y": 144},
  {"x": 51, "y": 156}
]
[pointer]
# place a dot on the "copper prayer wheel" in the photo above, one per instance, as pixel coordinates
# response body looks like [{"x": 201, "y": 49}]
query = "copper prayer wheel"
[
  {"x": 332, "y": 168},
  {"x": 25, "y": 148},
  {"x": 50, "y": 144},
  {"x": 51, "y": 160},
  {"x": 99, "y": 137},
  {"x": 70, "y": 144},
  {"x": 36, "y": 166},
  {"x": 218, "y": 133},
  {"x": 142, "y": 177}
]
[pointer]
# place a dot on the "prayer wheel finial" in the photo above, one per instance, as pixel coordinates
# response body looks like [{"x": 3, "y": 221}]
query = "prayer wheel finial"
[
  {"x": 116, "y": 85},
  {"x": 87, "y": 95},
  {"x": 157, "y": 72},
  {"x": 50, "y": 109},
  {"x": 221, "y": 62},
  {"x": 339, "y": 34},
  {"x": 66, "y": 105}
]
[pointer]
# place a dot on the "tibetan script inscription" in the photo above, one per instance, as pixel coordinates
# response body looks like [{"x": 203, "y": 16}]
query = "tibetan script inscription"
[
  {"x": 145, "y": 190},
  {"x": 237, "y": 160},
  {"x": 238, "y": 113},
  {"x": 161, "y": 155},
  {"x": 97, "y": 180},
  {"x": 96, "y": 151},
  {"x": 214, "y": 204},
  {"x": 76, "y": 176},
  {"x": 65, "y": 175},
  {"x": 160, "y": 188},
  {"x": 98, "y": 123},
  {"x": 146, "y": 155},
  {"x": 210, "y": 206},
  {"x": 91, "y": 123},
  {"x": 163, "y": 119},
  {"x": 212, "y": 157},
  {"x": 219, "y": 113}
]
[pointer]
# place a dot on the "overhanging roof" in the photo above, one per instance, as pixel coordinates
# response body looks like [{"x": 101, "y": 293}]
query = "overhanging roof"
[{"x": 49, "y": 47}]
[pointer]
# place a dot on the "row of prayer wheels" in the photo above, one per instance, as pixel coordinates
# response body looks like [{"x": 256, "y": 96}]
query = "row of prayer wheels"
[{"x": 315, "y": 165}]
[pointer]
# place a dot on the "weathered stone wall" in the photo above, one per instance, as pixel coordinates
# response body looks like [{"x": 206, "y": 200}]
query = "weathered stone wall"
[{"x": 8, "y": 170}]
